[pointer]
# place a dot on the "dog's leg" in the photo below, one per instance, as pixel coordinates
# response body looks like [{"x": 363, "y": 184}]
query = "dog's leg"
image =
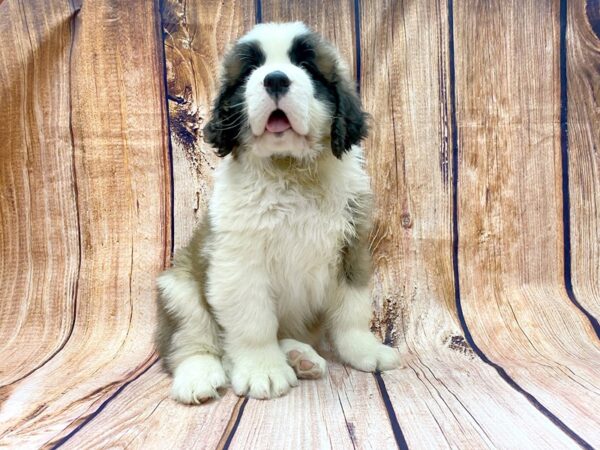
[
  {"x": 188, "y": 336},
  {"x": 350, "y": 311},
  {"x": 239, "y": 297},
  {"x": 348, "y": 326},
  {"x": 305, "y": 361}
]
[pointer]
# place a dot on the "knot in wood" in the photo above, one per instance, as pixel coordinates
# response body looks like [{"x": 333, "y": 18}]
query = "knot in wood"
[{"x": 406, "y": 220}]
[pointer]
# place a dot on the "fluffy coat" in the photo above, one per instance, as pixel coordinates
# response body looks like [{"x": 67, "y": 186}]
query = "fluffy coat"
[{"x": 281, "y": 259}]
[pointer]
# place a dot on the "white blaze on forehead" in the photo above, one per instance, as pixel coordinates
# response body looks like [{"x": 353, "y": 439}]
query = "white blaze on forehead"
[{"x": 275, "y": 39}]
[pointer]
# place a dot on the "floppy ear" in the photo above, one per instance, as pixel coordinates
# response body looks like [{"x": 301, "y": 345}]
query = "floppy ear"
[
  {"x": 228, "y": 114},
  {"x": 349, "y": 124},
  {"x": 223, "y": 129}
]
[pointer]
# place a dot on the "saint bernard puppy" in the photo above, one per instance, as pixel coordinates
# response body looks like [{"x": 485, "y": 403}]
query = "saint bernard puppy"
[{"x": 281, "y": 258}]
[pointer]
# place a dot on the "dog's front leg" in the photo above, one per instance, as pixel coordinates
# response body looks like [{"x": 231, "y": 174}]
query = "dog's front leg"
[
  {"x": 348, "y": 326},
  {"x": 240, "y": 299}
]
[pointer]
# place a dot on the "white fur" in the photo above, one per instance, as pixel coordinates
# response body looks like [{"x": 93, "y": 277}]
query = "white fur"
[
  {"x": 288, "y": 236},
  {"x": 274, "y": 268},
  {"x": 274, "y": 254},
  {"x": 351, "y": 336},
  {"x": 275, "y": 38},
  {"x": 197, "y": 379}
]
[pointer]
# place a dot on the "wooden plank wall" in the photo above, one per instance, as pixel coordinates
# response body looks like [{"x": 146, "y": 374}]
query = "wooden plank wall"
[
  {"x": 84, "y": 205},
  {"x": 510, "y": 220},
  {"x": 484, "y": 159}
]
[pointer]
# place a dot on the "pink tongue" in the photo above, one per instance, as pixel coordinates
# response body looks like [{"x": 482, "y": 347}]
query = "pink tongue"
[{"x": 278, "y": 122}]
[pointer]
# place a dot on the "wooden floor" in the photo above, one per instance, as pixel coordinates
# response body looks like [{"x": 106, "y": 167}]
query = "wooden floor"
[{"x": 485, "y": 159}]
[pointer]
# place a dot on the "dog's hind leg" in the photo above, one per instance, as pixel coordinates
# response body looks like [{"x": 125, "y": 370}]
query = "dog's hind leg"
[
  {"x": 187, "y": 335},
  {"x": 304, "y": 359}
]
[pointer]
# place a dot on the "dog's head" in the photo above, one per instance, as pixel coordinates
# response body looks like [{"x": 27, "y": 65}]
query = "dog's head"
[{"x": 285, "y": 91}]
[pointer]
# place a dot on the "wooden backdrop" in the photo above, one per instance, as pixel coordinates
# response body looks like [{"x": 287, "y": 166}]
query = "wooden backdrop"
[{"x": 485, "y": 161}]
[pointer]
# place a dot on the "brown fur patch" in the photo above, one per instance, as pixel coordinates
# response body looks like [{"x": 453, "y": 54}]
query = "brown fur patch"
[
  {"x": 356, "y": 267},
  {"x": 188, "y": 262}
]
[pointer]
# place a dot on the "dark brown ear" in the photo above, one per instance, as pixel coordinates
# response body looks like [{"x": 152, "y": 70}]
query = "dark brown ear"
[
  {"x": 332, "y": 83},
  {"x": 223, "y": 129},
  {"x": 349, "y": 124},
  {"x": 227, "y": 120}
]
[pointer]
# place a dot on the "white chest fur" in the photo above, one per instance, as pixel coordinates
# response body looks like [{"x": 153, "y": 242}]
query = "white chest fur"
[{"x": 290, "y": 227}]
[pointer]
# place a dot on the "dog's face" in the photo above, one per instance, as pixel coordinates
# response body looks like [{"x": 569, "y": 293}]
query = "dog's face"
[{"x": 284, "y": 91}]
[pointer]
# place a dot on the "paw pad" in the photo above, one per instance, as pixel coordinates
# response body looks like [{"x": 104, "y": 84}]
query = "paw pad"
[{"x": 307, "y": 365}]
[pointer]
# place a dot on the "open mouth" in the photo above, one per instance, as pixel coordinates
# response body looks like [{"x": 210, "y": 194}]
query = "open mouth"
[{"x": 278, "y": 122}]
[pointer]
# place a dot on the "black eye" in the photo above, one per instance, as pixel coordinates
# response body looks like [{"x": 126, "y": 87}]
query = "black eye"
[
  {"x": 311, "y": 68},
  {"x": 247, "y": 69},
  {"x": 249, "y": 63},
  {"x": 251, "y": 57},
  {"x": 302, "y": 51}
]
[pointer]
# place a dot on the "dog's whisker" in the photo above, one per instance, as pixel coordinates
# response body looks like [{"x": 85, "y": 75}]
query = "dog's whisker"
[
  {"x": 228, "y": 125},
  {"x": 231, "y": 118},
  {"x": 235, "y": 105}
]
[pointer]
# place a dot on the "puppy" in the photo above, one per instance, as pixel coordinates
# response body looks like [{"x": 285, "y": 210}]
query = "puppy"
[{"x": 281, "y": 258}]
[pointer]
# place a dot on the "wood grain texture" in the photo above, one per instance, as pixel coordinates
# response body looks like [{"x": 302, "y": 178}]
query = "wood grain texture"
[
  {"x": 336, "y": 412},
  {"x": 39, "y": 244},
  {"x": 318, "y": 397},
  {"x": 334, "y": 20},
  {"x": 408, "y": 159},
  {"x": 85, "y": 225},
  {"x": 111, "y": 138},
  {"x": 343, "y": 410},
  {"x": 348, "y": 405},
  {"x": 197, "y": 34},
  {"x": 510, "y": 208},
  {"x": 583, "y": 97},
  {"x": 340, "y": 400},
  {"x": 143, "y": 416},
  {"x": 405, "y": 46}
]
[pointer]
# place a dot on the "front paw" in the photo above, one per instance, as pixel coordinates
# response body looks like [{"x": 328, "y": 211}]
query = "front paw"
[
  {"x": 197, "y": 379},
  {"x": 262, "y": 374},
  {"x": 363, "y": 351}
]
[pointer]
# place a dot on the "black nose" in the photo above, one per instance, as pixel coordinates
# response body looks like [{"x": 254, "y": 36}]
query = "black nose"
[{"x": 277, "y": 83}]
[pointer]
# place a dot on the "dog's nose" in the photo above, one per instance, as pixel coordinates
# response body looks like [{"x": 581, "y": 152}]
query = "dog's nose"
[{"x": 277, "y": 83}]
